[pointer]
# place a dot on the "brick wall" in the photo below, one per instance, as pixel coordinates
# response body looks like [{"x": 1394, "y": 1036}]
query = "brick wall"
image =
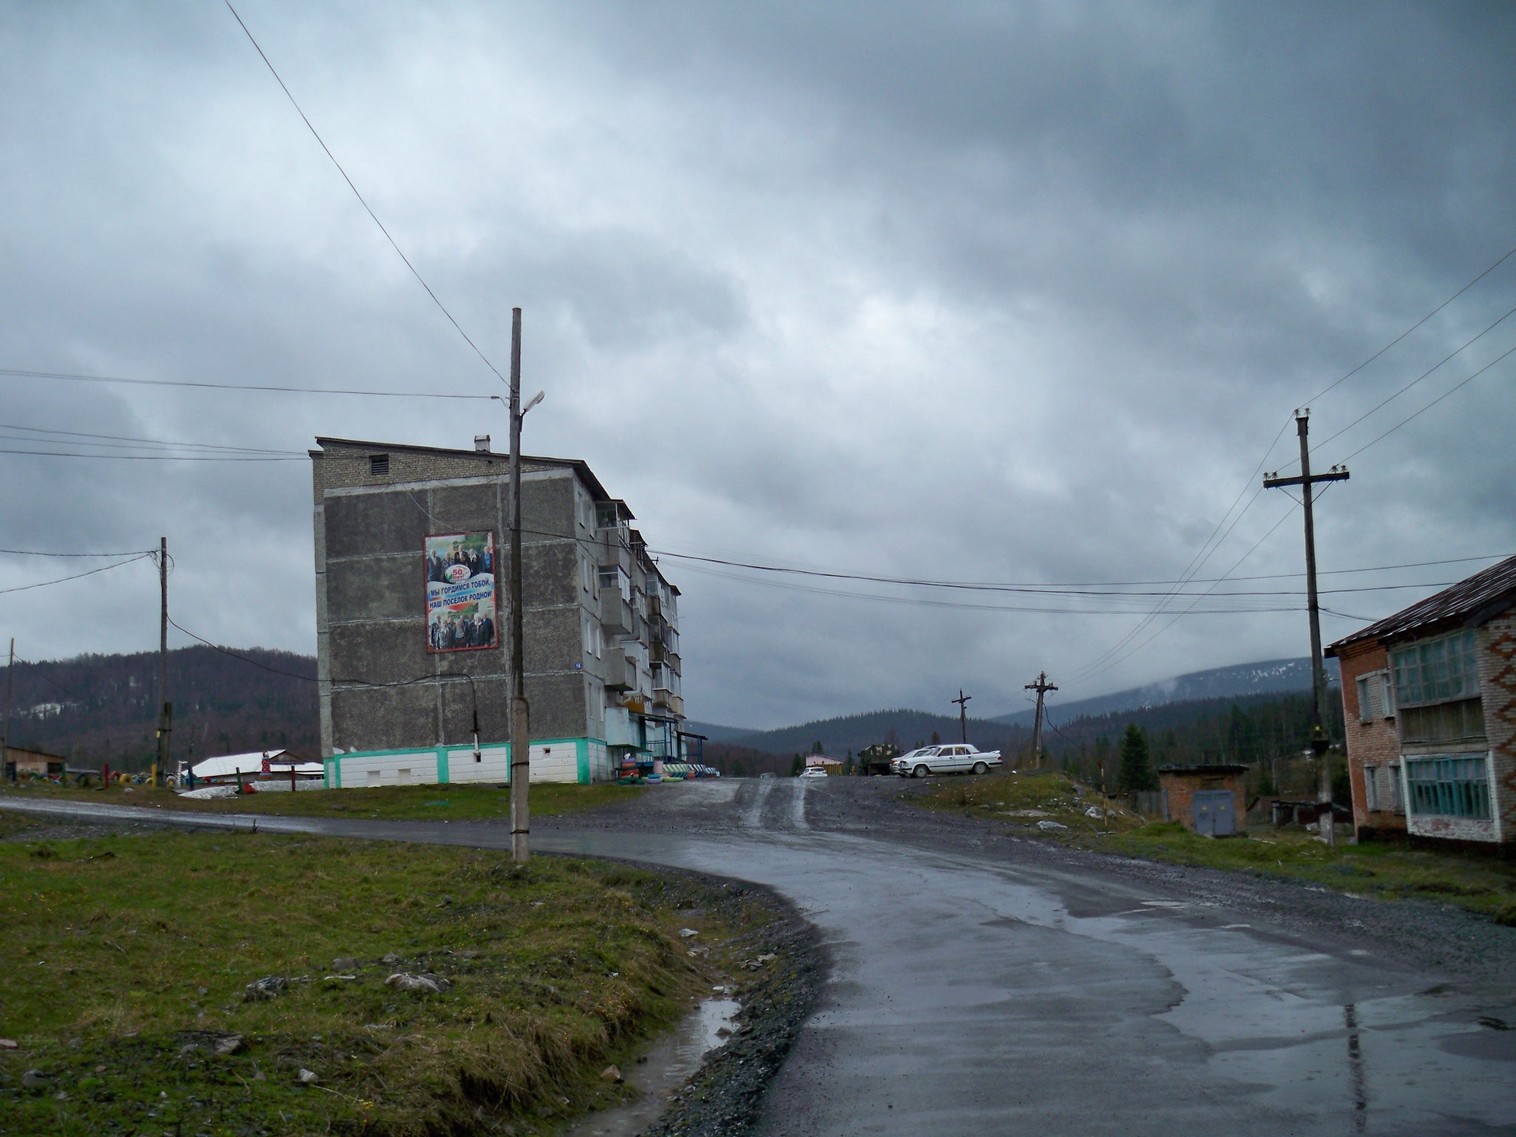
[
  {"x": 1180, "y": 786},
  {"x": 1372, "y": 743},
  {"x": 1497, "y": 681}
]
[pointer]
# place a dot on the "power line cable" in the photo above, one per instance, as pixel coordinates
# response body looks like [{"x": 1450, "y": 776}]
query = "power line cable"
[
  {"x": 37, "y": 553},
  {"x": 76, "y": 576},
  {"x": 107, "y": 438},
  {"x": 1428, "y": 407},
  {"x": 1509, "y": 253},
  {"x": 75, "y": 378},
  {"x": 1419, "y": 378},
  {"x": 393, "y": 244},
  {"x": 1197, "y": 562}
]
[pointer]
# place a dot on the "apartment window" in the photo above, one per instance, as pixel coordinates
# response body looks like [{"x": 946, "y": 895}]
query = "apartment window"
[
  {"x": 1436, "y": 671},
  {"x": 1381, "y": 789},
  {"x": 605, "y": 515},
  {"x": 593, "y": 640},
  {"x": 1376, "y": 699},
  {"x": 378, "y": 464},
  {"x": 1389, "y": 789},
  {"x": 1454, "y": 785},
  {"x": 1437, "y": 690}
]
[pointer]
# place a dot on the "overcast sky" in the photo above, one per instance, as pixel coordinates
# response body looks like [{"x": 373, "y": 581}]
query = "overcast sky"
[{"x": 995, "y": 293}]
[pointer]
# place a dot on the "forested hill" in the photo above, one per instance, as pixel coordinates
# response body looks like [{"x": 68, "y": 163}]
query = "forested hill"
[{"x": 102, "y": 708}]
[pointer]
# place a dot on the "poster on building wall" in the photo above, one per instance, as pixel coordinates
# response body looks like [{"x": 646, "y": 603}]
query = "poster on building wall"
[{"x": 461, "y": 609}]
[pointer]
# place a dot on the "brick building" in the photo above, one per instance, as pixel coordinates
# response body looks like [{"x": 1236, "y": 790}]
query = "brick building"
[
  {"x": 1429, "y": 702},
  {"x": 1209, "y": 799},
  {"x": 413, "y": 648},
  {"x": 1373, "y": 738}
]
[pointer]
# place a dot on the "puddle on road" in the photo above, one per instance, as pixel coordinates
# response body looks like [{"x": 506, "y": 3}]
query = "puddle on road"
[{"x": 670, "y": 1063}]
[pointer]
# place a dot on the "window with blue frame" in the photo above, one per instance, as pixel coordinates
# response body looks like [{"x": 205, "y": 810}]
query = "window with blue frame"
[{"x": 1451, "y": 785}]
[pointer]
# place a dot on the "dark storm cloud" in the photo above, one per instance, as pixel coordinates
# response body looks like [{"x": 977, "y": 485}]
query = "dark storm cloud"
[{"x": 1003, "y": 293}]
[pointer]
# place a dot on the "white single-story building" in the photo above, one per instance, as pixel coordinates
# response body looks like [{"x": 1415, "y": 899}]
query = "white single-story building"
[{"x": 255, "y": 766}]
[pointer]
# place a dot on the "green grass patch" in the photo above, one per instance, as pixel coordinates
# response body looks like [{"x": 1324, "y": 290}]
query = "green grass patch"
[
  {"x": 389, "y": 803},
  {"x": 129, "y": 960},
  {"x": 1384, "y": 869},
  {"x": 1389, "y": 870}
]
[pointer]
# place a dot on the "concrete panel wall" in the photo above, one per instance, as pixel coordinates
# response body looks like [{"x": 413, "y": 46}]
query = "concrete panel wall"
[
  {"x": 374, "y": 508},
  {"x": 385, "y": 718}
]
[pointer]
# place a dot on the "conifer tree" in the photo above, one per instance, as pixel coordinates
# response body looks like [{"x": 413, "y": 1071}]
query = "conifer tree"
[{"x": 1136, "y": 771}]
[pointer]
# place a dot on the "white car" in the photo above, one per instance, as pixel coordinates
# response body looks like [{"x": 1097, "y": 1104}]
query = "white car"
[
  {"x": 953, "y": 758},
  {"x": 813, "y": 772}
]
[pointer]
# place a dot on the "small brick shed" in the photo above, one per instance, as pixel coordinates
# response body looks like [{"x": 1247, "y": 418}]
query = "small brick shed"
[{"x": 1211, "y": 800}]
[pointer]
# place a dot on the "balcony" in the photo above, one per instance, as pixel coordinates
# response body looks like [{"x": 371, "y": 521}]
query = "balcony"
[
  {"x": 611, "y": 550},
  {"x": 661, "y": 652},
  {"x": 669, "y": 703},
  {"x": 616, "y": 613},
  {"x": 620, "y": 672}
]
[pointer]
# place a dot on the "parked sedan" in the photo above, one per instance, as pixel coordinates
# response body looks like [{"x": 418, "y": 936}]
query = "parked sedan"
[{"x": 955, "y": 758}]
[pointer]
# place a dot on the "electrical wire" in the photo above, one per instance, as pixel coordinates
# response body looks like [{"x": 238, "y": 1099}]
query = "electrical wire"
[
  {"x": 1386, "y": 402},
  {"x": 76, "y": 576},
  {"x": 1509, "y": 253},
  {"x": 375, "y": 217},
  {"x": 24, "y": 373},
  {"x": 36, "y": 553},
  {"x": 1199, "y": 560},
  {"x": 1428, "y": 407}
]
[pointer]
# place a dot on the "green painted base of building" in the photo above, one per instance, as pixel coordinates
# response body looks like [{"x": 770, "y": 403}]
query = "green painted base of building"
[{"x": 573, "y": 760}]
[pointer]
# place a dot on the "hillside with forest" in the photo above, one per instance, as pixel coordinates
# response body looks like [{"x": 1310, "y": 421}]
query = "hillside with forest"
[
  {"x": 97, "y": 709},
  {"x": 1247, "y": 729}
]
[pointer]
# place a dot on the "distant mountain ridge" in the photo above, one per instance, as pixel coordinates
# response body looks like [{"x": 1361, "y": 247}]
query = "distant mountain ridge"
[
  {"x": 1271, "y": 677},
  {"x": 103, "y": 708},
  {"x": 851, "y": 732}
]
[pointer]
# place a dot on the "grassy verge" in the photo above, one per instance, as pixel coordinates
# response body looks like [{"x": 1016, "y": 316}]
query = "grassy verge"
[
  {"x": 129, "y": 961},
  {"x": 1389, "y": 870},
  {"x": 390, "y": 803}
]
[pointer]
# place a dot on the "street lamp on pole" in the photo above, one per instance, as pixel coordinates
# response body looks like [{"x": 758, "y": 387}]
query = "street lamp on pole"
[{"x": 521, "y": 739}]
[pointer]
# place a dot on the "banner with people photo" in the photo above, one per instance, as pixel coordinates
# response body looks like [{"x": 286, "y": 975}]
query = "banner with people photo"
[{"x": 462, "y": 612}]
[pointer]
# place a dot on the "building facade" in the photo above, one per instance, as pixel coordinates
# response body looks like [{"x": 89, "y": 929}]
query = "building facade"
[
  {"x": 1429, "y": 699},
  {"x": 1373, "y": 738},
  {"x": 412, "y": 635}
]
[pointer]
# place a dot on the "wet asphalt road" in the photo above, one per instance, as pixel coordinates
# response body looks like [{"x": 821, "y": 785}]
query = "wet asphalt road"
[{"x": 983, "y": 984}]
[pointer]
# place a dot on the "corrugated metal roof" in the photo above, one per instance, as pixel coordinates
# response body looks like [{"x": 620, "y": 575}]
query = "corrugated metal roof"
[{"x": 1476, "y": 600}]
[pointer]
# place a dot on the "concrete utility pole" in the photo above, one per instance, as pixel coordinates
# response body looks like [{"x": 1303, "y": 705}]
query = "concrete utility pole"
[
  {"x": 521, "y": 759},
  {"x": 963, "y": 713},
  {"x": 1042, "y": 687},
  {"x": 166, "y": 708},
  {"x": 5, "y": 723},
  {"x": 1305, "y": 481}
]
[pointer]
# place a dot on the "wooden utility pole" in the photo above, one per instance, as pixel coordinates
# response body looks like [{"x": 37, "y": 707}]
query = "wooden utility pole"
[
  {"x": 1042, "y": 687},
  {"x": 521, "y": 735},
  {"x": 963, "y": 713},
  {"x": 165, "y": 708},
  {"x": 1319, "y": 741}
]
